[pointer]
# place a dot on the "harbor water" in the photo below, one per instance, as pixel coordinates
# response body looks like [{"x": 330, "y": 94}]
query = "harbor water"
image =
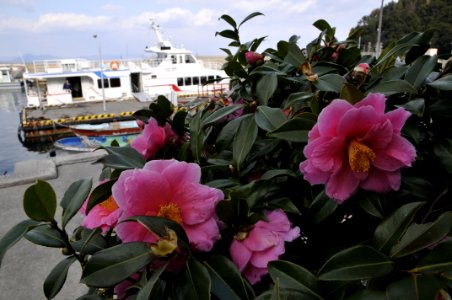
[{"x": 11, "y": 149}]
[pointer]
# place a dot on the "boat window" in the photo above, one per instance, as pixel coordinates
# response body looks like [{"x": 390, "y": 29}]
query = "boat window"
[
  {"x": 4, "y": 73},
  {"x": 211, "y": 77},
  {"x": 99, "y": 83},
  {"x": 180, "y": 59},
  {"x": 189, "y": 59},
  {"x": 174, "y": 59},
  {"x": 195, "y": 80},
  {"x": 187, "y": 80},
  {"x": 180, "y": 81},
  {"x": 115, "y": 82},
  {"x": 203, "y": 79},
  {"x": 218, "y": 77},
  {"x": 154, "y": 76}
]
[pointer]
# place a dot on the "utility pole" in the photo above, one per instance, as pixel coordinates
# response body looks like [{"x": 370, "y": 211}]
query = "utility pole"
[
  {"x": 380, "y": 21},
  {"x": 101, "y": 74}
]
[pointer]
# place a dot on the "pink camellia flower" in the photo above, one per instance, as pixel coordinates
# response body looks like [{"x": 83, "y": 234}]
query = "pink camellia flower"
[
  {"x": 362, "y": 68},
  {"x": 254, "y": 58},
  {"x": 252, "y": 251},
  {"x": 359, "y": 145},
  {"x": 168, "y": 189},
  {"x": 104, "y": 215},
  {"x": 152, "y": 139}
]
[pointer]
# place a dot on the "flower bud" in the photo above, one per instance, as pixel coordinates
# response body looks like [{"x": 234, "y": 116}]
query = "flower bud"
[{"x": 253, "y": 58}]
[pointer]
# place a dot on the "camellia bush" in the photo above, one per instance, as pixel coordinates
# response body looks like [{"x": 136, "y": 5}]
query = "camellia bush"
[{"x": 321, "y": 174}]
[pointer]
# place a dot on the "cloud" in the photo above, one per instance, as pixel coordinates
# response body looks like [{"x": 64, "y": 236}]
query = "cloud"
[
  {"x": 111, "y": 7},
  {"x": 274, "y": 6}
]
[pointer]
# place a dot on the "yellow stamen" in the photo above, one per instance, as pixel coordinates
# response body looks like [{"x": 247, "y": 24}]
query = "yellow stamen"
[
  {"x": 109, "y": 204},
  {"x": 360, "y": 157},
  {"x": 166, "y": 245},
  {"x": 170, "y": 211}
]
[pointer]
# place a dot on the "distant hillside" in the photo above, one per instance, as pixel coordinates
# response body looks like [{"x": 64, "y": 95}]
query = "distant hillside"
[{"x": 405, "y": 16}]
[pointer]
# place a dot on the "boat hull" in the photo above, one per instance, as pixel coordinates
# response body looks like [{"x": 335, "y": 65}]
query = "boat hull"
[
  {"x": 89, "y": 144},
  {"x": 106, "y": 129}
]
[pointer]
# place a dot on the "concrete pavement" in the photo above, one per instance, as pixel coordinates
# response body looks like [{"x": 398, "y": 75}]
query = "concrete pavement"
[{"x": 26, "y": 265}]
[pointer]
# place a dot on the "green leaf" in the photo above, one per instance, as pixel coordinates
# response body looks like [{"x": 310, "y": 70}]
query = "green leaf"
[
  {"x": 57, "y": 277},
  {"x": 294, "y": 56},
  {"x": 420, "y": 236},
  {"x": 244, "y": 140},
  {"x": 250, "y": 16},
  {"x": 330, "y": 83},
  {"x": 294, "y": 130},
  {"x": 356, "y": 263},
  {"x": 322, "y": 207},
  {"x": 159, "y": 225},
  {"x": 368, "y": 295},
  {"x": 269, "y": 118},
  {"x": 196, "y": 136},
  {"x": 220, "y": 114},
  {"x": 415, "y": 106},
  {"x": 194, "y": 282},
  {"x": 145, "y": 292},
  {"x": 443, "y": 151},
  {"x": 123, "y": 158},
  {"x": 40, "y": 201},
  {"x": 293, "y": 276},
  {"x": 14, "y": 235},
  {"x": 228, "y": 19},
  {"x": 420, "y": 70},
  {"x": 392, "y": 87},
  {"x": 100, "y": 193},
  {"x": 46, "y": 235},
  {"x": 91, "y": 242},
  {"x": 265, "y": 87},
  {"x": 111, "y": 266},
  {"x": 388, "y": 233},
  {"x": 227, "y": 283},
  {"x": 416, "y": 287},
  {"x": 371, "y": 203},
  {"x": 74, "y": 197},
  {"x": 439, "y": 259},
  {"x": 444, "y": 83},
  {"x": 279, "y": 172},
  {"x": 351, "y": 93},
  {"x": 229, "y": 34},
  {"x": 178, "y": 124}
]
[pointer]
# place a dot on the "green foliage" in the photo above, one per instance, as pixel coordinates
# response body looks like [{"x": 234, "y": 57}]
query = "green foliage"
[{"x": 249, "y": 144}]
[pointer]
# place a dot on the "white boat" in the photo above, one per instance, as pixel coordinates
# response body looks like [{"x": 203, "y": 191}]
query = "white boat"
[
  {"x": 6, "y": 79},
  {"x": 169, "y": 71}
]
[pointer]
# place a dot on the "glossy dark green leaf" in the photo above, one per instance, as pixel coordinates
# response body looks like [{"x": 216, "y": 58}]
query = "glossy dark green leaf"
[
  {"x": 416, "y": 186},
  {"x": 159, "y": 225},
  {"x": 269, "y": 118},
  {"x": 100, "y": 193},
  {"x": 244, "y": 140},
  {"x": 419, "y": 71},
  {"x": 227, "y": 283},
  {"x": 420, "y": 236},
  {"x": 351, "y": 93},
  {"x": 322, "y": 207},
  {"x": 226, "y": 136},
  {"x": 330, "y": 83},
  {"x": 294, "y": 130},
  {"x": 91, "y": 242},
  {"x": 268, "y": 68},
  {"x": 74, "y": 197},
  {"x": 40, "y": 201},
  {"x": 444, "y": 83},
  {"x": 223, "y": 183},
  {"x": 220, "y": 114},
  {"x": 284, "y": 293},
  {"x": 228, "y": 33},
  {"x": 145, "y": 292},
  {"x": 111, "y": 266},
  {"x": 229, "y": 20},
  {"x": 266, "y": 87},
  {"x": 443, "y": 151},
  {"x": 250, "y": 16},
  {"x": 368, "y": 295},
  {"x": 279, "y": 172},
  {"x": 14, "y": 235},
  {"x": 46, "y": 235},
  {"x": 323, "y": 25},
  {"x": 294, "y": 56},
  {"x": 371, "y": 203},
  {"x": 388, "y": 233},
  {"x": 396, "y": 50},
  {"x": 417, "y": 287},
  {"x": 439, "y": 259},
  {"x": 123, "y": 158},
  {"x": 415, "y": 106},
  {"x": 356, "y": 263},
  {"x": 393, "y": 87},
  {"x": 178, "y": 124},
  {"x": 194, "y": 282},
  {"x": 293, "y": 276},
  {"x": 57, "y": 277},
  {"x": 196, "y": 136}
]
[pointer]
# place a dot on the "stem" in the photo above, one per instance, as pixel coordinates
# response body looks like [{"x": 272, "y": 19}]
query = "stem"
[{"x": 65, "y": 236}]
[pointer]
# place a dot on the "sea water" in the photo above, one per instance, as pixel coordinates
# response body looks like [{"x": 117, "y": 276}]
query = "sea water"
[{"x": 11, "y": 149}]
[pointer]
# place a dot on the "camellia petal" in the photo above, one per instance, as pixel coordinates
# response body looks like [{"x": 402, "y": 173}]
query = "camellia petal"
[
  {"x": 376, "y": 100},
  {"x": 330, "y": 116},
  {"x": 240, "y": 254}
]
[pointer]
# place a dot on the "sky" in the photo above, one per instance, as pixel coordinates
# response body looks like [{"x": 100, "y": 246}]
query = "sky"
[{"x": 65, "y": 29}]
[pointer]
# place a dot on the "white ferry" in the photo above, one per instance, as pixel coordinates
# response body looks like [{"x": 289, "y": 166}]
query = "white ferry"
[{"x": 169, "y": 71}]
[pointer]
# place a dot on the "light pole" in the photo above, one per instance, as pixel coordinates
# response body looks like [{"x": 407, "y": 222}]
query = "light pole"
[
  {"x": 380, "y": 20},
  {"x": 101, "y": 74}
]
